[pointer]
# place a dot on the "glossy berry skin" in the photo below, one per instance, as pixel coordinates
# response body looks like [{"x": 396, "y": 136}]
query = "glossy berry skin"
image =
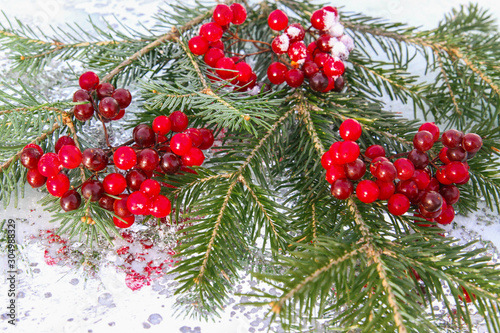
[
  {"x": 433, "y": 185},
  {"x": 126, "y": 223},
  {"x": 276, "y": 73},
  {"x": 58, "y": 184},
  {"x": 335, "y": 153},
  {"x": 423, "y": 140},
  {"x": 81, "y": 96},
  {"x": 123, "y": 97},
  {"x": 150, "y": 187},
  {"x": 135, "y": 178},
  {"x": 472, "y": 142},
  {"x": 419, "y": 159},
  {"x": 114, "y": 183},
  {"x": 441, "y": 176},
  {"x": 452, "y": 138},
  {"x": 34, "y": 145},
  {"x": 318, "y": 82},
  {"x": 160, "y": 206},
  {"x": 321, "y": 58},
  {"x": 374, "y": 151},
  {"x": 294, "y": 77},
  {"x": 323, "y": 43},
  {"x": 367, "y": 191},
  {"x": 457, "y": 154},
  {"x": 119, "y": 115},
  {"x": 429, "y": 215},
  {"x": 333, "y": 67},
  {"x": 94, "y": 159},
  {"x": 318, "y": 19},
  {"x": 339, "y": 84},
  {"x": 49, "y": 165},
  {"x": 342, "y": 189},
  {"x": 212, "y": 32},
  {"x": 106, "y": 202},
  {"x": 431, "y": 128},
  {"x": 326, "y": 160},
  {"x": 180, "y": 144},
  {"x": 310, "y": 68},
  {"x": 443, "y": 155},
  {"x": 447, "y": 215},
  {"x": 92, "y": 189},
  {"x": 35, "y": 178},
  {"x": 408, "y": 188},
  {"x": 144, "y": 136},
  {"x": 120, "y": 206},
  {"x": 295, "y": 32},
  {"x": 277, "y": 20},
  {"x": 138, "y": 203},
  {"x": 70, "y": 200},
  {"x": 222, "y": 15},
  {"x": 63, "y": 141},
  {"x": 355, "y": 170},
  {"x": 194, "y": 157},
  {"x": 179, "y": 121},
  {"x": 109, "y": 107},
  {"x": 147, "y": 159},
  {"x": 125, "y": 158},
  {"x": 422, "y": 178},
  {"x": 349, "y": 151},
  {"x": 350, "y": 129},
  {"x": 212, "y": 56},
  {"x": 104, "y": 89},
  {"x": 431, "y": 201},
  {"x": 162, "y": 125},
  {"x": 225, "y": 68},
  {"x": 195, "y": 136},
  {"x": 239, "y": 13},
  {"x": 456, "y": 172},
  {"x": 385, "y": 171},
  {"x": 70, "y": 157},
  {"x": 88, "y": 80},
  {"x": 244, "y": 71},
  {"x": 170, "y": 163},
  {"x": 29, "y": 158},
  {"x": 83, "y": 112},
  {"x": 376, "y": 162},
  {"x": 398, "y": 204},
  {"x": 450, "y": 194},
  {"x": 386, "y": 189},
  {"x": 404, "y": 168},
  {"x": 335, "y": 172},
  {"x": 198, "y": 45},
  {"x": 208, "y": 138}
]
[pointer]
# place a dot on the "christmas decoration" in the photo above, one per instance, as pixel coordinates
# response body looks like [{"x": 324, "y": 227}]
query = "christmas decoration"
[{"x": 335, "y": 201}]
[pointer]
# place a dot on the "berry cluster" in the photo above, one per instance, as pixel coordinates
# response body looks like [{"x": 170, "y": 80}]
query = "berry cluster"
[
  {"x": 152, "y": 152},
  {"x": 108, "y": 102},
  {"x": 321, "y": 62},
  {"x": 412, "y": 180}
]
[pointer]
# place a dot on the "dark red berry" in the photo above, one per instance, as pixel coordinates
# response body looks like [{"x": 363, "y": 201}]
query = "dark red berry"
[
  {"x": 355, "y": 170},
  {"x": 195, "y": 135},
  {"x": 34, "y": 145},
  {"x": 81, "y": 96},
  {"x": 123, "y": 97},
  {"x": 124, "y": 158},
  {"x": 114, "y": 183},
  {"x": 452, "y": 138},
  {"x": 277, "y": 20},
  {"x": 170, "y": 163},
  {"x": 147, "y": 159},
  {"x": 92, "y": 189},
  {"x": 107, "y": 202},
  {"x": 63, "y": 141},
  {"x": 120, "y": 206},
  {"x": 94, "y": 159},
  {"x": 450, "y": 193},
  {"x": 239, "y": 13},
  {"x": 144, "y": 136},
  {"x": 422, "y": 178},
  {"x": 198, "y": 45},
  {"x": 367, "y": 191},
  {"x": 104, "y": 89},
  {"x": 398, "y": 204},
  {"x": 342, "y": 189},
  {"x": 432, "y": 128},
  {"x": 135, "y": 178},
  {"x": 58, "y": 184},
  {"x": 385, "y": 171},
  {"x": 456, "y": 154},
  {"x": 419, "y": 158},
  {"x": 88, "y": 80},
  {"x": 208, "y": 138},
  {"x": 423, "y": 140},
  {"x": 109, "y": 107},
  {"x": 318, "y": 82},
  {"x": 339, "y": 84},
  {"x": 472, "y": 142},
  {"x": 408, "y": 188},
  {"x": 310, "y": 68},
  {"x": 433, "y": 185},
  {"x": 71, "y": 200},
  {"x": 374, "y": 151},
  {"x": 431, "y": 201},
  {"x": 83, "y": 112},
  {"x": 294, "y": 77},
  {"x": 29, "y": 158},
  {"x": 35, "y": 178}
]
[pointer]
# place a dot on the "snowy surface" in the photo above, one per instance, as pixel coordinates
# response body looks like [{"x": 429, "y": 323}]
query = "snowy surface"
[{"x": 54, "y": 297}]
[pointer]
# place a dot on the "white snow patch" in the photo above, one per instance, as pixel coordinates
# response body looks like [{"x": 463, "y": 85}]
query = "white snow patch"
[
  {"x": 336, "y": 30},
  {"x": 293, "y": 32},
  {"x": 330, "y": 19},
  {"x": 339, "y": 50},
  {"x": 348, "y": 42},
  {"x": 283, "y": 42}
]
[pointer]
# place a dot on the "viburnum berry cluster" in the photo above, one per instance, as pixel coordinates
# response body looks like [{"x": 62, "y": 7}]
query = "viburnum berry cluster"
[
  {"x": 416, "y": 180},
  {"x": 167, "y": 147},
  {"x": 321, "y": 62},
  {"x": 108, "y": 102}
]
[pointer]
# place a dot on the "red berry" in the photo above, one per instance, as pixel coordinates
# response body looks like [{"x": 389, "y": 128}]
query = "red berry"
[
  {"x": 222, "y": 15},
  {"x": 408, "y": 188},
  {"x": 374, "y": 151},
  {"x": 124, "y": 222},
  {"x": 81, "y": 96},
  {"x": 324, "y": 43},
  {"x": 423, "y": 140},
  {"x": 447, "y": 215},
  {"x": 350, "y": 129},
  {"x": 326, "y": 160},
  {"x": 138, "y": 203},
  {"x": 376, "y": 162},
  {"x": 123, "y": 97},
  {"x": 386, "y": 189},
  {"x": 70, "y": 200},
  {"x": 180, "y": 144},
  {"x": 34, "y": 145},
  {"x": 335, "y": 172},
  {"x": 212, "y": 32},
  {"x": 198, "y": 45},
  {"x": 432, "y": 128},
  {"x": 225, "y": 68},
  {"x": 450, "y": 193},
  {"x": 276, "y": 73},
  {"x": 277, "y": 20},
  {"x": 318, "y": 19},
  {"x": 431, "y": 202},
  {"x": 49, "y": 165},
  {"x": 422, "y": 178},
  {"x": 94, "y": 159},
  {"x": 170, "y": 163},
  {"x": 104, "y": 89},
  {"x": 150, "y": 187},
  {"x": 179, "y": 121},
  {"x": 160, "y": 206},
  {"x": 321, "y": 58},
  {"x": 419, "y": 158},
  {"x": 452, "y": 138},
  {"x": 433, "y": 185},
  {"x": 84, "y": 112},
  {"x": 456, "y": 154},
  {"x": 335, "y": 153},
  {"x": 349, "y": 151},
  {"x": 212, "y": 56},
  {"x": 295, "y": 32},
  {"x": 367, "y": 191},
  {"x": 398, "y": 204},
  {"x": 162, "y": 125},
  {"x": 208, "y": 138},
  {"x": 472, "y": 142},
  {"x": 441, "y": 176},
  {"x": 342, "y": 189},
  {"x": 385, "y": 171},
  {"x": 119, "y": 115},
  {"x": 58, "y": 184},
  {"x": 88, "y": 80},
  {"x": 147, "y": 159},
  {"x": 333, "y": 67},
  {"x": 318, "y": 82},
  {"x": 239, "y": 13},
  {"x": 63, "y": 141},
  {"x": 114, "y": 183},
  {"x": 456, "y": 172},
  {"x": 244, "y": 71},
  {"x": 443, "y": 155},
  {"x": 120, "y": 206},
  {"x": 310, "y": 68},
  {"x": 35, "y": 178},
  {"x": 280, "y": 44},
  {"x": 294, "y": 77},
  {"x": 70, "y": 157},
  {"x": 125, "y": 158},
  {"x": 312, "y": 48},
  {"x": 144, "y": 135},
  {"x": 29, "y": 158},
  {"x": 107, "y": 202},
  {"x": 297, "y": 51},
  {"x": 194, "y": 157},
  {"x": 355, "y": 170},
  {"x": 109, "y": 107},
  {"x": 405, "y": 168},
  {"x": 92, "y": 189}
]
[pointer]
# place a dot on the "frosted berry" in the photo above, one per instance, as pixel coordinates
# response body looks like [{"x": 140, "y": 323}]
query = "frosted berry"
[
  {"x": 49, "y": 165},
  {"x": 297, "y": 51},
  {"x": 280, "y": 44},
  {"x": 398, "y": 204},
  {"x": 350, "y": 129},
  {"x": 29, "y": 158},
  {"x": 147, "y": 159},
  {"x": 63, "y": 141},
  {"x": 88, "y": 80},
  {"x": 452, "y": 138},
  {"x": 150, "y": 187},
  {"x": 405, "y": 168},
  {"x": 324, "y": 43},
  {"x": 472, "y": 142},
  {"x": 114, "y": 183},
  {"x": 198, "y": 45},
  {"x": 432, "y": 128},
  {"x": 94, "y": 159},
  {"x": 318, "y": 82},
  {"x": 170, "y": 163},
  {"x": 92, "y": 189},
  {"x": 333, "y": 67},
  {"x": 212, "y": 56},
  {"x": 180, "y": 144},
  {"x": 342, "y": 189},
  {"x": 160, "y": 206},
  {"x": 70, "y": 200},
  {"x": 318, "y": 19},
  {"x": 222, "y": 15},
  {"x": 295, "y": 32},
  {"x": 277, "y": 20},
  {"x": 211, "y": 32},
  {"x": 83, "y": 112},
  {"x": 104, "y": 89},
  {"x": 58, "y": 184},
  {"x": 70, "y": 157},
  {"x": 355, "y": 170},
  {"x": 349, "y": 151},
  {"x": 123, "y": 97},
  {"x": 124, "y": 222},
  {"x": 144, "y": 135},
  {"x": 294, "y": 77},
  {"x": 423, "y": 140},
  {"x": 35, "y": 178},
  {"x": 125, "y": 158},
  {"x": 367, "y": 191},
  {"x": 194, "y": 157},
  {"x": 138, "y": 203},
  {"x": 374, "y": 151},
  {"x": 276, "y": 73}
]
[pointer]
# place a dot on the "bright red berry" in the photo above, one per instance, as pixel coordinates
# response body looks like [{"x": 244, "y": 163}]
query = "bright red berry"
[
  {"x": 447, "y": 215},
  {"x": 336, "y": 171},
  {"x": 181, "y": 144},
  {"x": 162, "y": 125},
  {"x": 212, "y": 56},
  {"x": 125, "y": 158},
  {"x": 194, "y": 157},
  {"x": 443, "y": 155},
  {"x": 124, "y": 222},
  {"x": 150, "y": 187},
  {"x": 318, "y": 19},
  {"x": 138, "y": 203},
  {"x": 239, "y": 13},
  {"x": 385, "y": 171},
  {"x": 114, "y": 183},
  {"x": 432, "y": 128},
  {"x": 276, "y": 73},
  {"x": 222, "y": 15},
  {"x": 333, "y": 67},
  {"x": 405, "y": 168},
  {"x": 63, "y": 141},
  {"x": 70, "y": 157},
  {"x": 374, "y": 151},
  {"x": 376, "y": 162},
  {"x": 350, "y": 129},
  {"x": 422, "y": 178},
  {"x": 281, "y": 44},
  {"x": 58, "y": 184},
  {"x": 244, "y": 71},
  {"x": 342, "y": 189},
  {"x": 179, "y": 121},
  {"x": 386, "y": 189},
  {"x": 198, "y": 45},
  {"x": 441, "y": 176},
  {"x": 423, "y": 140},
  {"x": 35, "y": 178},
  {"x": 49, "y": 165},
  {"x": 349, "y": 151},
  {"x": 456, "y": 172},
  {"x": 452, "y": 138},
  {"x": 398, "y": 204},
  {"x": 225, "y": 68},
  {"x": 277, "y": 20},
  {"x": 367, "y": 191},
  {"x": 212, "y": 32},
  {"x": 88, "y": 80},
  {"x": 160, "y": 206},
  {"x": 326, "y": 160}
]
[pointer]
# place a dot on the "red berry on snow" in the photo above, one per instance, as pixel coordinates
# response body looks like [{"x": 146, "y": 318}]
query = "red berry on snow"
[
  {"x": 35, "y": 178},
  {"x": 124, "y": 222},
  {"x": 138, "y": 203},
  {"x": 295, "y": 32}
]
